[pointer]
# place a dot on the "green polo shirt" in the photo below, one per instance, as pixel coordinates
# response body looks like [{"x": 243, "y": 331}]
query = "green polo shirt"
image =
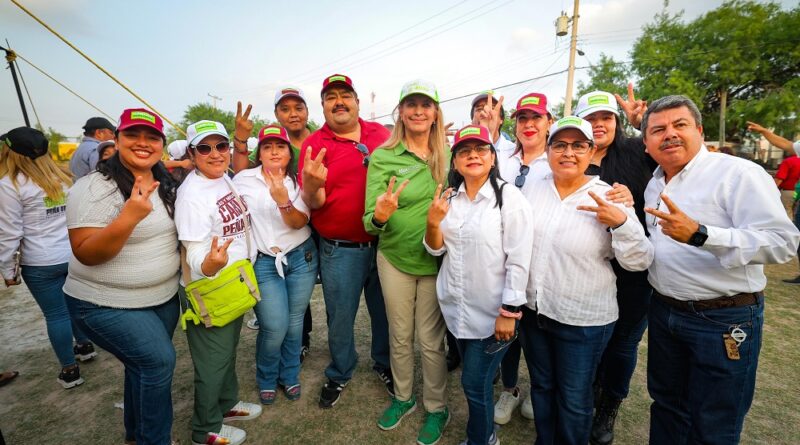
[{"x": 401, "y": 237}]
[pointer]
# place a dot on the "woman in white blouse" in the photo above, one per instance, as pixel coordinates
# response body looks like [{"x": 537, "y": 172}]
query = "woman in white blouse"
[
  {"x": 484, "y": 228},
  {"x": 286, "y": 268},
  {"x": 572, "y": 306}
]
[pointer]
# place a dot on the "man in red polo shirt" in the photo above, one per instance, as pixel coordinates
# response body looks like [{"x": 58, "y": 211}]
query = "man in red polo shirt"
[
  {"x": 334, "y": 164},
  {"x": 787, "y": 176}
]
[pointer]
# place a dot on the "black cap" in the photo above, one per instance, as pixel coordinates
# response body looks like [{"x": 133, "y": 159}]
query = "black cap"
[
  {"x": 26, "y": 141},
  {"x": 96, "y": 123}
]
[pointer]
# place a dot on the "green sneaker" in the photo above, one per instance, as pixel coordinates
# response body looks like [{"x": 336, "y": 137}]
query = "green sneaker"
[
  {"x": 433, "y": 428},
  {"x": 395, "y": 413}
]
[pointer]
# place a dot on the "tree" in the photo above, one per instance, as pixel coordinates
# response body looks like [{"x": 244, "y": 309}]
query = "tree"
[
  {"x": 53, "y": 138},
  {"x": 205, "y": 111},
  {"x": 606, "y": 75}
]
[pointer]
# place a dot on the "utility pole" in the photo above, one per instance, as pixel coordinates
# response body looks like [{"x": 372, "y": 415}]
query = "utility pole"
[
  {"x": 372, "y": 106},
  {"x": 723, "y": 103},
  {"x": 11, "y": 57},
  {"x": 572, "y": 46},
  {"x": 214, "y": 99}
]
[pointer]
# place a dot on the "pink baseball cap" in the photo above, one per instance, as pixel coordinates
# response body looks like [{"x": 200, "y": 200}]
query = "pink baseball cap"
[
  {"x": 273, "y": 131},
  {"x": 337, "y": 79},
  {"x": 535, "y": 102},
  {"x": 134, "y": 117},
  {"x": 470, "y": 133}
]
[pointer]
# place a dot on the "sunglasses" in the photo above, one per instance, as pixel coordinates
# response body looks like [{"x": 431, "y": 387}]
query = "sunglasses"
[
  {"x": 364, "y": 152},
  {"x": 205, "y": 149},
  {"x": 523, "y": 173}
]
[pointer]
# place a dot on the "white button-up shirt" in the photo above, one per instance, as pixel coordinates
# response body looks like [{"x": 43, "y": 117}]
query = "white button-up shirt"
[
  {"x": 488, "y": 256},
  {"x": 796, "y": 147},
  {"x": 509, "y": 163},
  {"x": 571, "y": 279},
  {"x": 747, "y": 226}
]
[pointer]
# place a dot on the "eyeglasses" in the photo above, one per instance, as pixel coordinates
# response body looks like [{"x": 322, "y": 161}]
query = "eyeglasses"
[
  {"x": 523, "y": 173},
  {"x": 578, "y": 147},
  {"x": 499, "y": 345},
  {"x": 205, "y": 149},
  {"x": 364, "y": 152},
  {"x": 464, "y": 151},
  {"x": 658, "y": 205}
]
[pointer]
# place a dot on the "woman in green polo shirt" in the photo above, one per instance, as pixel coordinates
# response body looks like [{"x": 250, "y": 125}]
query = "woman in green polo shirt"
[{"x": 401, "y": 181}]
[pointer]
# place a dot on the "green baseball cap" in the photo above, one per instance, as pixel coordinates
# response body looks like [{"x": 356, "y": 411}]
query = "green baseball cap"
[{"x": 422, "y": 87}]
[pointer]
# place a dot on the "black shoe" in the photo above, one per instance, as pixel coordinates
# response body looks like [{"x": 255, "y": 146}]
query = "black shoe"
[
  {"x": 330, "y": 394},
  {"x": 453, "y": 359},
  {"x": 386, "y": 377},
  {"x": 303, "y": 353},
  {"x": 795, "y": 280},
  {"x": 70, "y": 377},
  {"x": 603, "y": 422},
  {"x": 84, "y": 351}
]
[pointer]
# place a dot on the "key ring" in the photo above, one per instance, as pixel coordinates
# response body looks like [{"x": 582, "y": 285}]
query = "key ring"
[{"x": 738, "y": 334}]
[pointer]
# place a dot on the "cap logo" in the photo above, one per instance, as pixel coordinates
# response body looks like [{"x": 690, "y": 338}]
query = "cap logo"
[
  {"x": 570, "y": 120},
  {"x": 598, "y": 99},
  {"x": 205, "y": 126},
  {"x": 469, "y": 131},
  {"x": 272, "y": 130},
  {"x": 289, "y": 91},
  {"x": 337, "y": 79},
  {"x": 8, "y": 142},
  {"x": 143, "y": 116},
  {"x": 529, "y": 101}
]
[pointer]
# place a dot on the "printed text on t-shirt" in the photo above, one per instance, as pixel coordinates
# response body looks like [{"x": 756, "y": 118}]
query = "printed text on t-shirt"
[{"x": 232, "y": 213}]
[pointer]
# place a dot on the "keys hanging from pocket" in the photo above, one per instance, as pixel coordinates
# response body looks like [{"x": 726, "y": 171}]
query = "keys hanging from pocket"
[{"x": 731, "y": 347}]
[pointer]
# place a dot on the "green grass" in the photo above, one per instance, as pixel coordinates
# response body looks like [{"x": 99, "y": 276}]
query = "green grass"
[{"x": 35, "y": 410}]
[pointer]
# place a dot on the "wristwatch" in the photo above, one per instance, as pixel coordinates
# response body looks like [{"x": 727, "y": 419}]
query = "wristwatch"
[
  {"x": 512, "y": 309},
  {"x": 698, "y": 238}
]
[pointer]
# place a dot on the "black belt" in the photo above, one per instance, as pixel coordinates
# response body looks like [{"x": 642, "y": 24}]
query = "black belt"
[
  {"x": 350, "y": 244},
  {"x": 742, "y": 299}
]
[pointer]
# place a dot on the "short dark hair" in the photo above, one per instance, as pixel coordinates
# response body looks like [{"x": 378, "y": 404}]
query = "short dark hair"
[{"x": 668, "y": 103}]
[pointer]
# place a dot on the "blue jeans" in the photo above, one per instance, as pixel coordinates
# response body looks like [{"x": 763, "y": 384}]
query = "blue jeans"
[
  {"x": 280, "y": 314},
  {"x": 477, "y": 372},
  {"x": 46, "y": 285},
  {"x": 142, "y": 340},
  {"x": 699, "y": 394},
  {"x": 562, "y": 360},
  {"x": 509, "y": 367},
  {"x": 619, "y": 359},
  {"x": 346, "y": 271}
]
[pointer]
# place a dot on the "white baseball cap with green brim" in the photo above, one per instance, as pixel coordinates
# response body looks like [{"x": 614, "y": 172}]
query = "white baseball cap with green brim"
[
  {"x": 568, "y": 122},
  {"x": 422, "y": 87},
  {"x": 596, "y": 101},
  {"x": 199, "y": 130}
]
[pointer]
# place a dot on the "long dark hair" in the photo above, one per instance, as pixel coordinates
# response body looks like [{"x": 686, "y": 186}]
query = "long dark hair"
[
  {"x": 291, "y": 169},
  {"x": 113, "y": 169},
  {"x": 455, "y": 179}
]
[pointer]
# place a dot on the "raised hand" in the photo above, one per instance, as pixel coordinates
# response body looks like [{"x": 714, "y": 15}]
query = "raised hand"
[
  {"x": 216, "y": 258},
  {"x": 620, "y": 194},
  {"x": 607, "y": 213},
  {"x": 244, "y": 126},
  {"x": 314, "y": 171},
  {"x": 439, "y": 206},
  {"x": 675, "y": 224},
  {"x": 277, "y": 189},
  {"x": 138, "y": 206},
  {"x": 633, "y": 109},
  {"x": 387, "y": 203},
  {"x": 752, "y": 126},
  {"x": 493, "y": 120}
]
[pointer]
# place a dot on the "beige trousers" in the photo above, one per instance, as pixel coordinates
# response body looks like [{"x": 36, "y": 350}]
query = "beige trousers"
[{"x": 411, "y": 306}]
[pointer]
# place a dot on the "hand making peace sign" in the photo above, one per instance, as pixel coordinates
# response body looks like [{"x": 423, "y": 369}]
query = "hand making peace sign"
[
  {"x": 277, "y": 189},
  {"x": 387, "y": 203},
  {"x": 138, "y": 206},
  {"x": 494, "y": 120},
  {"x": 675, "y": 224},
  {"x": 216, "y": 258},
  {"x": 439, "y": 206},
  {"x": 633, "y": 109},
  {"x": 606, "y": 212},
  {"x": 244, "y": 126},
  {"x": 314, "y": 171}
]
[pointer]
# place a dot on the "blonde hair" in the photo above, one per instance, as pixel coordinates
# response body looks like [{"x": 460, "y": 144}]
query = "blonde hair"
[
  {"x": 43, "y": 171},
  {"x": 437, "y": 143}
]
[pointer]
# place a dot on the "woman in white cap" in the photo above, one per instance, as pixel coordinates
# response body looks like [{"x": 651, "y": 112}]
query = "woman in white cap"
[
  {"x": 484, "y": 227},
  {"x": 401, "y": 181},
  {"x": 571, "y": 306},
  {"x": 287, "y": 264},
  {"x": 33, "y": 225},
  {"x": 122, "y": 284},
  {"x": 213, "y": 226},
  {"x": 618, "y": 159}
]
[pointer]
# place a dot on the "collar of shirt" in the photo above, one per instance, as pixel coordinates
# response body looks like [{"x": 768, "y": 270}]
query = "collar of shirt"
[
  {"x": 589, "y": 184},
  {"x": 366, "y": 131},
  {"x": 485, "y": 191},
  {"x": 698, "y": 158}
]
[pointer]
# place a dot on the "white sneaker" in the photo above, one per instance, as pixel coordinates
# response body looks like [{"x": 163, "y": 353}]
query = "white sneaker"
[
  {"x": 228, "y": 435},
  {"x": 253, "y": 324},
  {"x": 527, "y": 408},
  {"x": 505, "y": 406},
  {"x": 242, "y": 411}
]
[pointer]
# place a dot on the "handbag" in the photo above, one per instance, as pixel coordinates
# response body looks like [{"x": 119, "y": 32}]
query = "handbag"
[{"x": 219, "y": 301}]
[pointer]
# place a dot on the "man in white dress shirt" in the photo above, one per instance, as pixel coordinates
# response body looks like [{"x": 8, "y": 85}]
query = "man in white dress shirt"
[{"x": 715, "y": 220}]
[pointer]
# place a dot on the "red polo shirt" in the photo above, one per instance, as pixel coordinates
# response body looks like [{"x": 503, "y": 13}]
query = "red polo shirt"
[
  {"x": 345, "y": 188},
  {"x": 789, "y": 171}
]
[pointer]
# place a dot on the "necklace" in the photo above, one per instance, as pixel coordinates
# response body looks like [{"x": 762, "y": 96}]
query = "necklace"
[{"x": 424, "y": 157}]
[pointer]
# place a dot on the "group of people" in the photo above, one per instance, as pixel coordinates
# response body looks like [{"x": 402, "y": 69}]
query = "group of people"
[{"x": 565, "y": 245}]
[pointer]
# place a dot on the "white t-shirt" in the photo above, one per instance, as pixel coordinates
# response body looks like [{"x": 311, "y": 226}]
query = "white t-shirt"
[
  {"x": 796, "y": 147},
  {"x": 206, "y": 208},
  {"x": 27, "y": 215}
]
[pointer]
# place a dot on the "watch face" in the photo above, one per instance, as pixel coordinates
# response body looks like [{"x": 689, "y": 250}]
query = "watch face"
[{"x": 698, "y": 238}]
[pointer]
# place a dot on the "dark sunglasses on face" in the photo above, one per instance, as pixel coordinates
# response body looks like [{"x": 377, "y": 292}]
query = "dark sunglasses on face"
[
  {"x": 205, "y": 149},
  {"x": 364, "y": 152},
  {"x": 523, "y": 173}
]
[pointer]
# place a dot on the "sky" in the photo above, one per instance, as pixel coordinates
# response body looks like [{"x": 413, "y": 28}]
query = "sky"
[{"x": 177, "y": 53}]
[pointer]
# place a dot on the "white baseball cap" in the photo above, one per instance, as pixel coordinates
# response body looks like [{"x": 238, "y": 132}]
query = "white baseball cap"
[
  {"x": 199, "y": 130},
  {"x": 177, "y": 149},
  {"x": 289, "y": 91},
  {"x": 571, "y": 122},
  {"x": 596, "y": 101}
]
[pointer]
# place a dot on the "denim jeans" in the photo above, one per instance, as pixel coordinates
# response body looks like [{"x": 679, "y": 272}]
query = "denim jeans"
[
  {"x": 477, "y": 373},
  {"x": 699, "y": 394},
  {"x": 509, "y": 367},
  {"x": 620, "y": 357},
  {"x": 46, "y": 285},
  {"x": 280, "y": 314},
  {"x": 142, "y": 340},
  {"x": 562, "y": 360},
  {"x": 346, "y": 271}
]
